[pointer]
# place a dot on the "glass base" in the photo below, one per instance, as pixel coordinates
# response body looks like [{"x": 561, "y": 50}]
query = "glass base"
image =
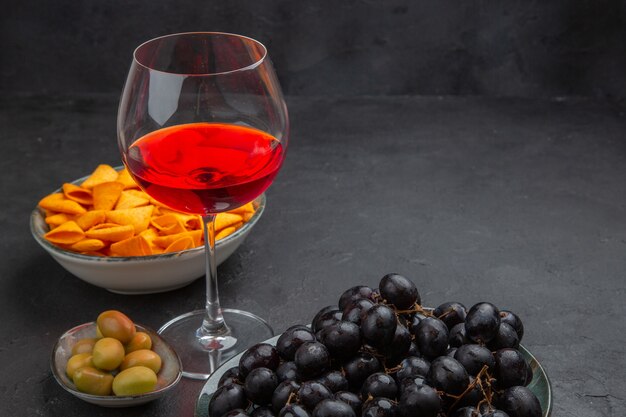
[{"x": 202, "y": 356}]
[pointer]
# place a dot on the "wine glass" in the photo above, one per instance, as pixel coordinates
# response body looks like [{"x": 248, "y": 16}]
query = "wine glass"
[{"x": 203, "y": 128}]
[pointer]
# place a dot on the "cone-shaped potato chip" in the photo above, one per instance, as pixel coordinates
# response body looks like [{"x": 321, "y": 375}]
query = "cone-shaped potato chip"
[
  {"x": 184, "y": 243},
  {"x": 165, "y": 241},
  {"x": 125, "y": 178},
  {"x": 103, "y": 173},
  {"x": 135, "y": 246},
  {"x": 65, "y": 234},
  {"x": 138, "y": 217},
  {"x": 79, "y": 194},
  {"x": 48, "y": 213},
  {"x": 111, "y": 232},
  {"x": 58, "y": 203},
  {"x": 106, "y": 194},
  {"x": 58, "y": 219},
  {"x": 191, "y": 221},
  {"x": 225, "y": 232},
  {"x": 88, "y": 245},
  {"x": 130, "y": 200},
  {"x": 150, "y": 234},
  {"x": 88, "y": 220},
  {"x": 223, "y": 220},
  {"x": 138, "y": 193},
  {"x": 168, "y": 224}
]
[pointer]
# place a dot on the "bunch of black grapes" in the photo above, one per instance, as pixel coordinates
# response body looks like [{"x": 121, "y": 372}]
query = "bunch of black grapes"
[{"x": 378, "y": 353}]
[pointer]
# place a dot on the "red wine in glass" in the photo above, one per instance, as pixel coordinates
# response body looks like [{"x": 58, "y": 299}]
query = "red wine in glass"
[{"x": 203, "y": 168}]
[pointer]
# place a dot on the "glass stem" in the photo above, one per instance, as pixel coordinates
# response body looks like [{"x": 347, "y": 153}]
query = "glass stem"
[{"x": 213, "y": 322}]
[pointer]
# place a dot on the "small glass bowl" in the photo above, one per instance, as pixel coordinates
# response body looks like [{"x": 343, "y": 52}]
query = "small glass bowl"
[{"x": 167, "y": 378}]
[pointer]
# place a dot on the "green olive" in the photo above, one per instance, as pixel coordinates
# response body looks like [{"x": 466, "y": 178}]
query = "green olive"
[
  {"x": 134, "y": 381},
  {"x": 76, "y": 362},
  {"x": 117, "y": 325},
  {"x": 93, "y": 381},
  {"x": 142, "y": 357},
  {"x": 83, "y": 346},
  {"x": 141, "y": 340},
  {"x": 108, "y": 353}
]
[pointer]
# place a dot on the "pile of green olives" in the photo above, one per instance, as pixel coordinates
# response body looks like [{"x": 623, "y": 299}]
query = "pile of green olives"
[{"x": 118, "y": 361}]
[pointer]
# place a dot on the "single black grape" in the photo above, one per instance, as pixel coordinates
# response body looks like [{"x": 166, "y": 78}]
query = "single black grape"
[
  {"x": 312, "y": 359},
  {"x": 281, "y": 394},
  {"x": 334, "y": 381},
  {"x": 448, "y": 375},
  {"x": 291, "y": 340},
  {"x": 333, "y": 408},
  {"x": 457, "y": 336},
  {"x": 230, "y": 376},
  {"x": 419, "y": 400},
  {"x": 398, "y": 347},
  {"x": 412, "y": 367},
  {"x": 514, "y": 321},
  {"x": 379, "y": 407},
  {"x": 506, "y": 337},
  {"x": 399, "y": 291},
  {"x": 287, "y": 371},
  {"x": 355, "y": 310},
  {"x": 474, "y": 357},
  {"x": 260, "y": 385},
  {"x": 511, "y": 368},
  {"x": 343, "y": 339},
  {"x": 451, "y": 313},
  {"x": 226, "y": 398},
  {"x": 238, "y": 412},
  {"x": 519, "y": 402},
  {"x": 262, "y": 412},
  {"x": 358, "y": 368},
  {"x": 260, "y": 355},
  {"x": 325, "y": 317},
  {"x": 350, "y": 398},
  {"x": 482, "y": 322},
  {"x": 354, "y": 293},
  {"x": 293, "y": 410},
  {"x": 379, "y": 325},
  {"x": 312, "y": 392},
  {"x": 431, "y": 337},
  {"x": 379, "y": 384}
]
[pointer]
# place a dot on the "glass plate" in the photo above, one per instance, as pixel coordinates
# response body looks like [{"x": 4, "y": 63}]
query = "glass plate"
[{"x": 540, "y": 385}]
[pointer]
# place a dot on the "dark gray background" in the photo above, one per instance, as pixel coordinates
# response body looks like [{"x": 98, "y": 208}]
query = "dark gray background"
[
  {"x": 518, "y": 201},
  {"x": 428, "y": 47}
]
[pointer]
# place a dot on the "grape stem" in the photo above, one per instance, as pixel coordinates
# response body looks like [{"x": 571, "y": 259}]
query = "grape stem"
[
  {"x": 416, "y": 308},
  {"x": 291, "y": 396},
  {"x": 487, "y": 395},
  {"x": 393, "y": 369}
]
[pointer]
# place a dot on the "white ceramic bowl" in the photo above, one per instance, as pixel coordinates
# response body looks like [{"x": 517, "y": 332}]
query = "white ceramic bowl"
[
  {"x": 142, "y": 274},
  {"x": 168, "y": 376}
]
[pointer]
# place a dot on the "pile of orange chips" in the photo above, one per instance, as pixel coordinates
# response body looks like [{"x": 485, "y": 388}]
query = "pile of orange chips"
[{"x": 109, "y": 215}]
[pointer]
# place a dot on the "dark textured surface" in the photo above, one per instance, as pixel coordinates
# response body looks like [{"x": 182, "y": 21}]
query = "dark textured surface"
[
  {"x": 517, "y": 202},
  {"x": 448, "y": 47}
]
